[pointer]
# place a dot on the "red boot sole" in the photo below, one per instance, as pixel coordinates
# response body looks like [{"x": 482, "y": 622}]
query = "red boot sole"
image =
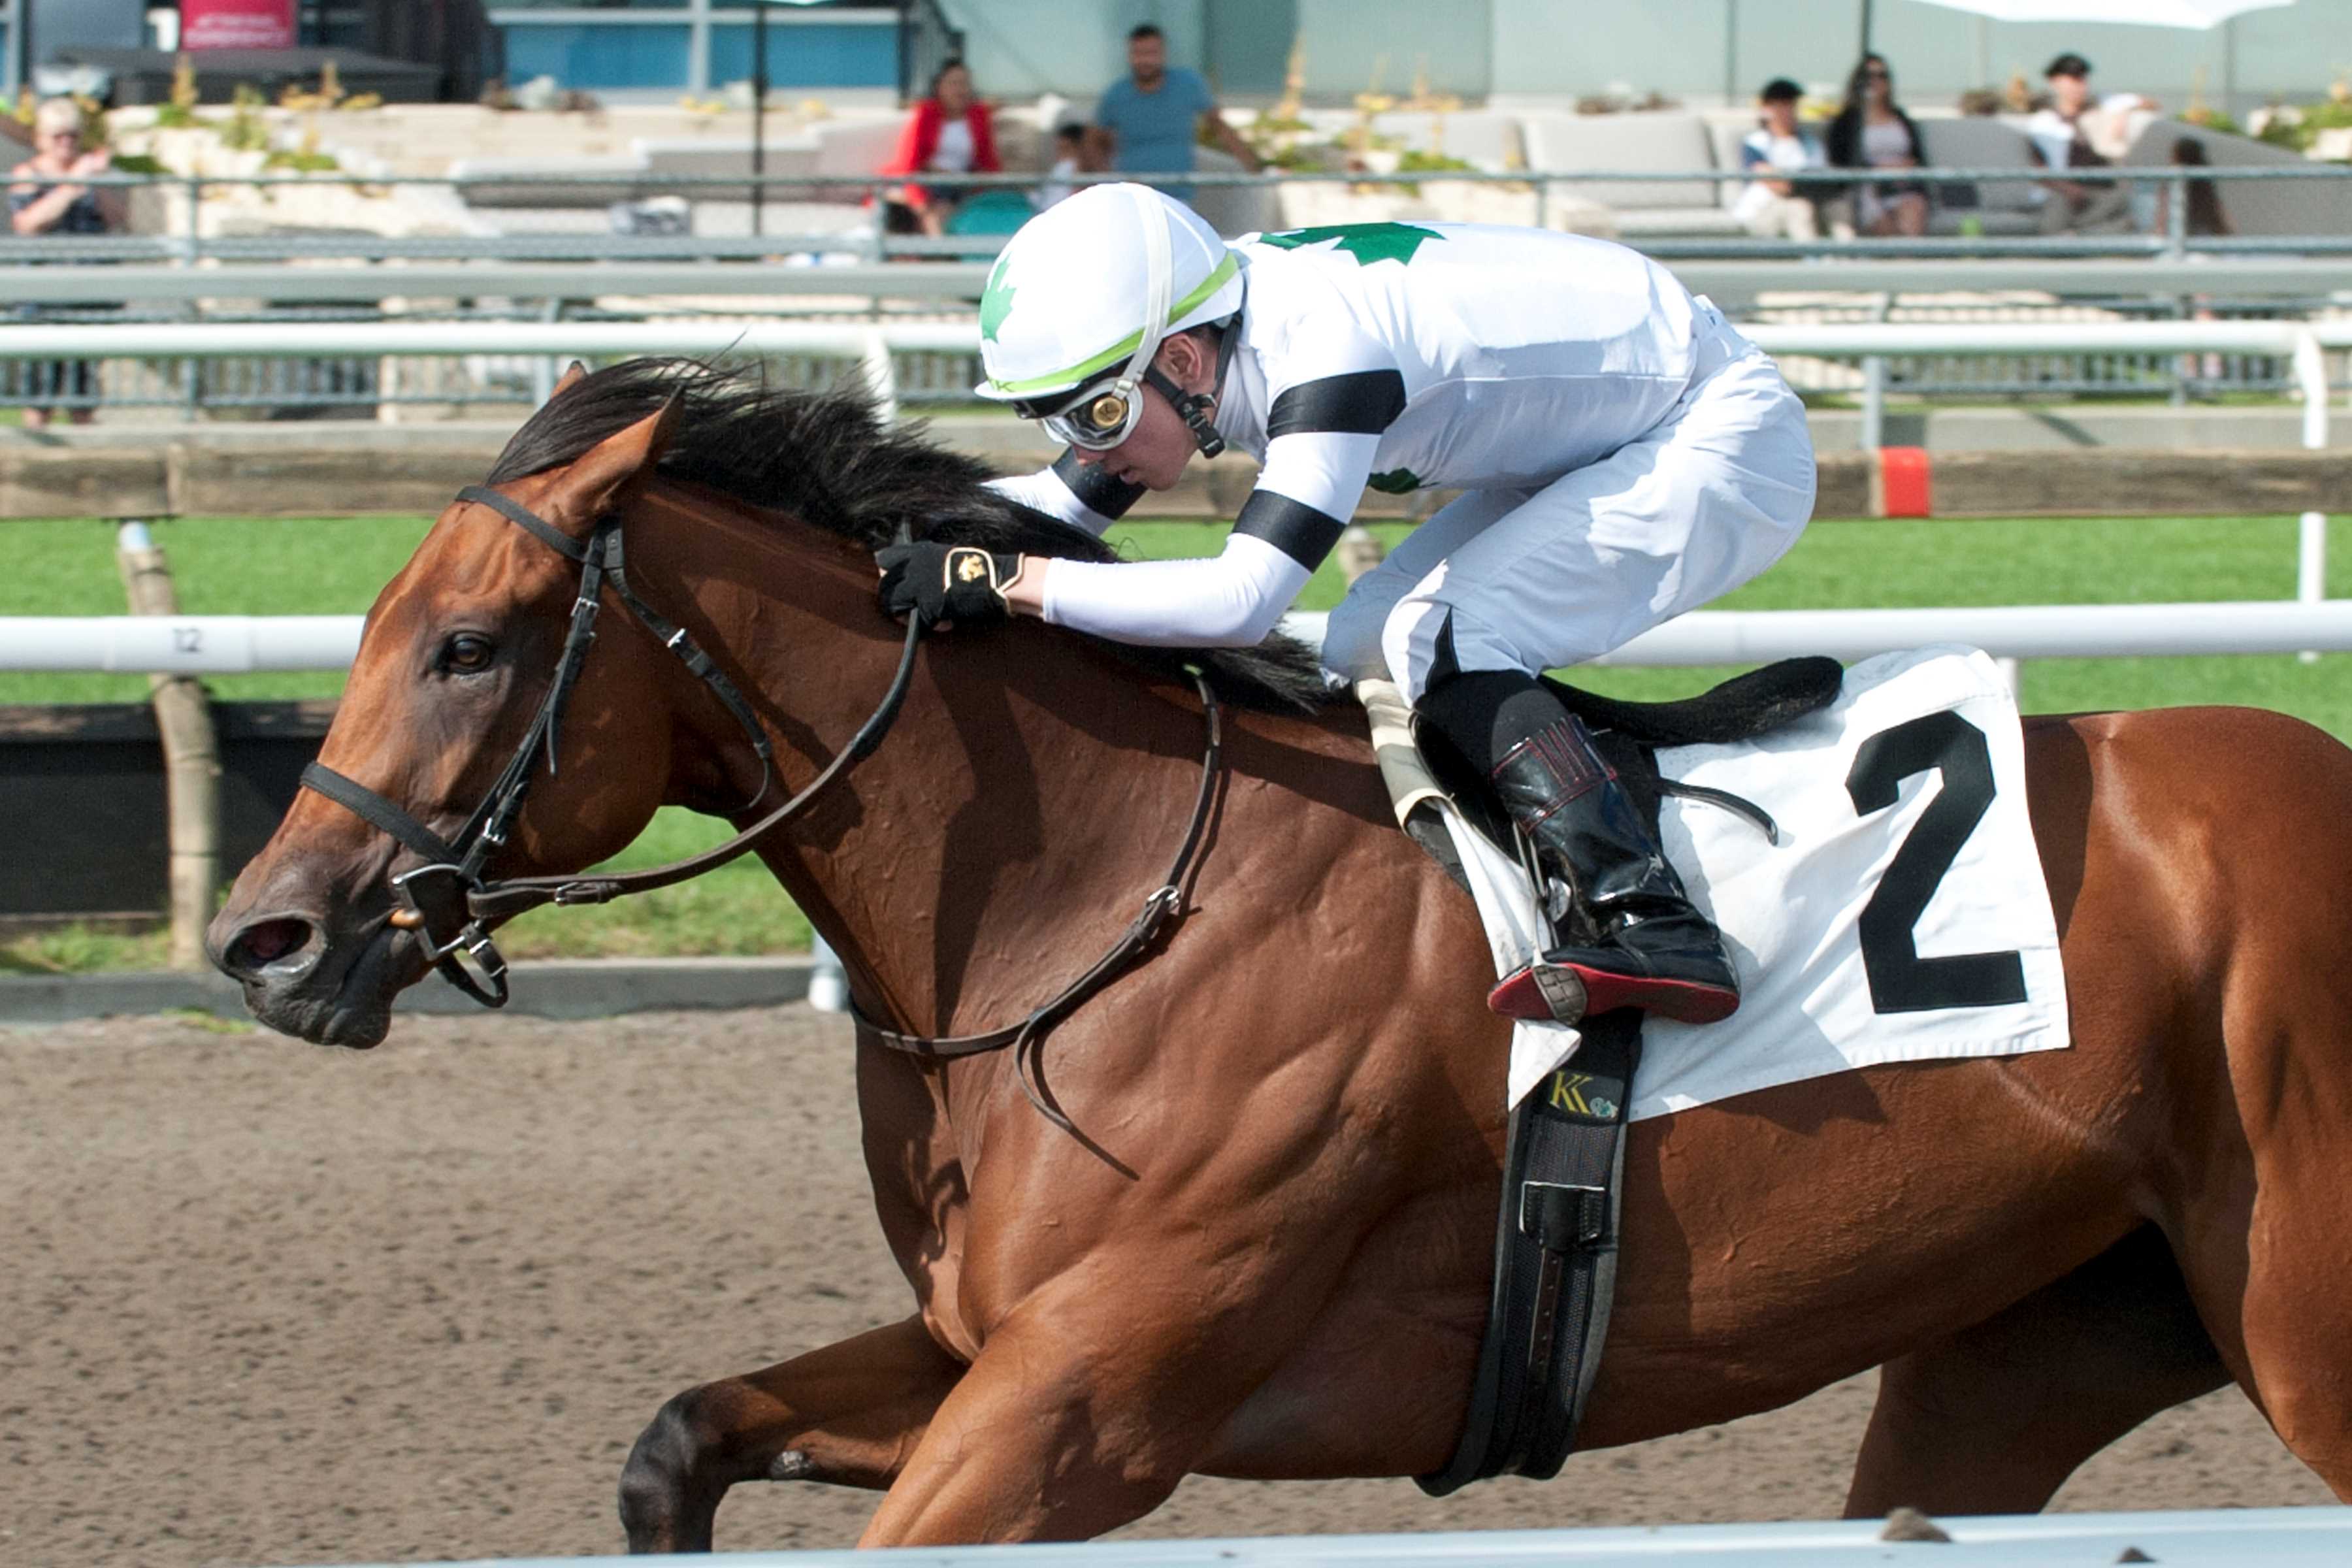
[{"x": 1521, "y": 995}]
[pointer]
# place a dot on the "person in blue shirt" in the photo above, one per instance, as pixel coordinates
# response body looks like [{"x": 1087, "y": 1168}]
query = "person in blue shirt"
[{"x": 1150, "y": 121}]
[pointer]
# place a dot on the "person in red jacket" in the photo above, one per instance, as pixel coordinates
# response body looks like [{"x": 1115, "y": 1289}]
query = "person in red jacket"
[{"x": 948, "y": 133}]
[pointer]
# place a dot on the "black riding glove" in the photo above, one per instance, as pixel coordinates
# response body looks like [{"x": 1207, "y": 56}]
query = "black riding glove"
[{"x": 960, "y": 582}]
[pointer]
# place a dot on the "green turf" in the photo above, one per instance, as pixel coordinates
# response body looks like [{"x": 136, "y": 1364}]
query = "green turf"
[{"x": 247, "y": 566}]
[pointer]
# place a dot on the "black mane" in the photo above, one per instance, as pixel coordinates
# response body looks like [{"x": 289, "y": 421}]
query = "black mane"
[{"x": 827, "y": 460}]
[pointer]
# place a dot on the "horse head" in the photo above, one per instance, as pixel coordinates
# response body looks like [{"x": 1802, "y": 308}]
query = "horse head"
[
  {"x": 750, "y": 514},
  {"x": 457, "y": 658}
]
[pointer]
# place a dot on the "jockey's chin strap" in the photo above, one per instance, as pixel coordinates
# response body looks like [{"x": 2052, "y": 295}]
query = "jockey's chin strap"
[
  {"x": 452, "y": 901},
  {"x": 1199, "y": 409}
]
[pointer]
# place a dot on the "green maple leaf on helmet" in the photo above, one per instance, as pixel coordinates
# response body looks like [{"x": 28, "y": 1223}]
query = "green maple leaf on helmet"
[
  {"x": 1367, "y": 242},
  {"x": 995, "y": 304}
]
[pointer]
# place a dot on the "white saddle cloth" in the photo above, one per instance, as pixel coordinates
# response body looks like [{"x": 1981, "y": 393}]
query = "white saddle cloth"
[{"x": 1907, "y": 794}]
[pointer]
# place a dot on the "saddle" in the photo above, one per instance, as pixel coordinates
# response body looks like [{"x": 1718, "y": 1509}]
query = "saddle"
[{"x": 1555, "y": 1233}]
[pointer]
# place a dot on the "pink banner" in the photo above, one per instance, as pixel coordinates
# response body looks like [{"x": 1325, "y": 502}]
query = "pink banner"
[{"x": 237, "y": 24}]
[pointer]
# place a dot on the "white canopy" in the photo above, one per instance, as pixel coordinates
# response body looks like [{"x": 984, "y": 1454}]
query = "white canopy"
[{"x": 2199, "y": 14}]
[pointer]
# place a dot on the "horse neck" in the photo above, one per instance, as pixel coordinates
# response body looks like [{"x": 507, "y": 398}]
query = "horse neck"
[{"x": 1029, "y": 795}]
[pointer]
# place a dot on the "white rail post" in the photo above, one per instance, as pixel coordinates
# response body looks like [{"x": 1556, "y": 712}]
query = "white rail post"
[
  {"x": 544, "y": 372},
  {"x": 192, "y": 251},
  {"x": 881, "y": 376},
  {"x": 2311, "y": 533},
  {"x": 828, "y": 989},
  {"x": 1873, "y": 402}
]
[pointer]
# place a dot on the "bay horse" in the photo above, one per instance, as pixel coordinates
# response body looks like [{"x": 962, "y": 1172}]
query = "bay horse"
[{"x": 1267, "y": 1252}]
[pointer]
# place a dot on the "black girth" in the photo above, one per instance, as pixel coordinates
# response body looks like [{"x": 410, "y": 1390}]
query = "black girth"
[{"x": 452, "y": 900}]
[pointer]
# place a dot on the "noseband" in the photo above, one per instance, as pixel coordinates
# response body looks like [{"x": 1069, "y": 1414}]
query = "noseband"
[{"x": 451, "y": 901}]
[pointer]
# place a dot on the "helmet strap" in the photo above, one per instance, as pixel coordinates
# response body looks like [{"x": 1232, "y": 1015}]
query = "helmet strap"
[{"x": 1197, "y": 409}]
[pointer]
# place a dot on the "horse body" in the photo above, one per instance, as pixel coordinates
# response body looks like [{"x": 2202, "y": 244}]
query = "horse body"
[{"x": 1268, "y": 1251}]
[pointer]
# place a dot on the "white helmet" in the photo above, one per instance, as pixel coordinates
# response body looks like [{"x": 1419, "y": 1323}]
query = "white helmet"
[{"x": 1095, "y": 282}]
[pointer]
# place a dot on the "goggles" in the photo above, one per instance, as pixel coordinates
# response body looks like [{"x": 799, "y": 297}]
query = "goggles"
[{"x": 1099, "y": 418}]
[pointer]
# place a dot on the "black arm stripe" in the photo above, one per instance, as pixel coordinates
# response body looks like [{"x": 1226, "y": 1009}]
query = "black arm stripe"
[
  {"x": 1293, "y": 527},
  {"x": 1363, "y": 403},
  {"x": 1093, "y": 485}
]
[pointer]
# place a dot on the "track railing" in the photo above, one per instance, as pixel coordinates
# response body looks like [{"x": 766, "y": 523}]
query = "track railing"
[
  {"x": 2200, "y": 1538},
  {"x": 498, "y": 188},
  {"x": 2304, "y": 344},
  {"x": 238, "y": 645}
]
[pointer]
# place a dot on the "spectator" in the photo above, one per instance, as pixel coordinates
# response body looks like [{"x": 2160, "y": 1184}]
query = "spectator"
[
  {"x": 1872, "y": 133},
  {"x": 1774, "y": 208},
  {"x": 2062, "y": 137},
  {"x": 1071, "y": 157},
  {"x": 948, "y": 133},
  {"x": 1150, "y": 121},
  {"x": 62, "y": 209},
  {"x": 2205, "y": 217}
]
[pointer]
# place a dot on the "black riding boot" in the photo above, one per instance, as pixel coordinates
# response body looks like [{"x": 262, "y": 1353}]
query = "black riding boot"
[{"x": 1653, "y": 950}]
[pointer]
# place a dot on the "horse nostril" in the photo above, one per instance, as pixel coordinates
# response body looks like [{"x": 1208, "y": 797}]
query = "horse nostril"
[{"x": 266, "y": 941}]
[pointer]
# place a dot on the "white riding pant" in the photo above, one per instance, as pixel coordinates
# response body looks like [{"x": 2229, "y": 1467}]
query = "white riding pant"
[{"x": 1534, "y": 580}]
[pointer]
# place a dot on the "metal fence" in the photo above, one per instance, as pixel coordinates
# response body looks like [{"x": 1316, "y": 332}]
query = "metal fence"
[
  {"x": 325, "y": 384},
  {"x": 491, "y": 214},
  {"x": 2124, "y": 278}
]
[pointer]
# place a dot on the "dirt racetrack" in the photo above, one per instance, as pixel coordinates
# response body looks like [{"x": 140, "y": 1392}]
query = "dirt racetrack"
[{"x": 272, "y": 1304}]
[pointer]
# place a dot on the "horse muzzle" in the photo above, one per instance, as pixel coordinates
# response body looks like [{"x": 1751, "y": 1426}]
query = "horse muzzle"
[{"x": 303, "y": 978}]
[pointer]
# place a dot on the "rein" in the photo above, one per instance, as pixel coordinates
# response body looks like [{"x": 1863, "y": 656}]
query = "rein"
[{"x": 451, "y": 899}]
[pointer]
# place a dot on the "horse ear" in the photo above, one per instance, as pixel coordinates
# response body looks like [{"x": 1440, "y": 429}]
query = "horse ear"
[
  {"x": 576, "y": 374},
  {"x": 589, "y": 485}
]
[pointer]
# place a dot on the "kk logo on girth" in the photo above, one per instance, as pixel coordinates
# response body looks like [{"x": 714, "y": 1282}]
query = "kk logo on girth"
[{"x": 1571, "y": 1093}]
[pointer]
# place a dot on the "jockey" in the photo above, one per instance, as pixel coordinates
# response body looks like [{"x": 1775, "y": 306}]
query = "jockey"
[{"x": 1623, "y": 455}]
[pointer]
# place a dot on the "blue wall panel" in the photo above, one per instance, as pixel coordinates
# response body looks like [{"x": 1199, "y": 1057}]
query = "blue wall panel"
[
  {"x": 582, "y": 55},
  {"x": 809, "y": 54}
]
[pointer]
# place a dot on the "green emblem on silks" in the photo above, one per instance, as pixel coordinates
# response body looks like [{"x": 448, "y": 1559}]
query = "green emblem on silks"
[
  {"x": 1367, "y": 242},
  {"x": 995, "y": 302},
  {"x": 1395, "y": 482}
]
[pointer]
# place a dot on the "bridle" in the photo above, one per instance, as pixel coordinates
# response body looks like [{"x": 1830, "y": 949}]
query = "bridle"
[
  {"x": 451, "y": 899},
  {"x": 448, "y": 893}
]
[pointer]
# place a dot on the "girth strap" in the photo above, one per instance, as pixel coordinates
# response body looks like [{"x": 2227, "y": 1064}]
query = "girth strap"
[{"x": 1555, "y": 1263}]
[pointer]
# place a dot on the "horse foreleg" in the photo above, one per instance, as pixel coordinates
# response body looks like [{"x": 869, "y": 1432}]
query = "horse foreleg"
[
  {"x": 849, "y": 1413},
  {"x": 1994, "y": 1418},
  {"x": 1107, "y": 1387}
]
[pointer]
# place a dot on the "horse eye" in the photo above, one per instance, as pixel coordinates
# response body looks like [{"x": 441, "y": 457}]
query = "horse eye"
[{"x": 467, "y": 653}]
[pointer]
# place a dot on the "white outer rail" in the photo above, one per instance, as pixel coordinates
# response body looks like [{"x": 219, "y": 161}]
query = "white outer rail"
[
  {"x": 2208, "y": 1538},
  {"x": 2005, "y": 631},
  {"x": 236, "y": 645},
  {"x": 178, "y": 645}
]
